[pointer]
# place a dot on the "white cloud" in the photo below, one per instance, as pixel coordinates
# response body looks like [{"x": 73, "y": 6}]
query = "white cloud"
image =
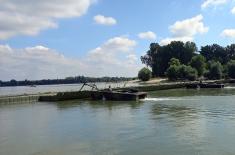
[
  {"x": 26, "y": 17},
  {"x": 100, "y": 19},
  {"x": 208, "y": 3},
  {"x": 185, "y": 30},
  {"x": 169, "y": 40},
  {"x": 188, "y": 27},
  {"x": 35, "y": 63},
  {"x": 147, "y": 35},
  {"x": 115, "y": 57},
  {"x": 233, "y": 11},
  {"x": 228, "y": 33}
]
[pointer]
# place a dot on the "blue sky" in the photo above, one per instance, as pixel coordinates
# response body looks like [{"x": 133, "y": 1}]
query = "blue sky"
[{"x": 57, "y": 39}]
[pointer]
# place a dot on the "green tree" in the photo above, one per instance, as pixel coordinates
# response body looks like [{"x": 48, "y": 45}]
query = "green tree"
[
  {"x": 174, "y": 61},
  {"x": 172, "y": 72},
  {"x": 144, "y": 74},
  {"x": 182, "y": 72},
  {"x": 187, "y": 72},
  {"x": 158, "y": 57},
  {"x": 191, "y": 74},
  {"x": 231, "y": 51},
  {"x": 198, "y": 62},
  {"x": 13, "y": 82},
  {"x": 151, "y": 59},
  {"x": 215, "y": 52},
  {"x": 215, "y": 70},
  {"x": 231, "y": 69}
]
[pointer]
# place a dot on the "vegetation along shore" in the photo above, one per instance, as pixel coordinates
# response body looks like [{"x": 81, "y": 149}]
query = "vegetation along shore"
[{"x": 183, "y": 61}]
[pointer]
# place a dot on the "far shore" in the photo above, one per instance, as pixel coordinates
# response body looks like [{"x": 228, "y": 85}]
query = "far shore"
[{"x": 157, "y": 81}]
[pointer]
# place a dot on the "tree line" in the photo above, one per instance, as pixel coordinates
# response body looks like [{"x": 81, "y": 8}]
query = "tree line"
[
  {"x": 68, "y": 80},
  {"x": 179, "y": 60}
]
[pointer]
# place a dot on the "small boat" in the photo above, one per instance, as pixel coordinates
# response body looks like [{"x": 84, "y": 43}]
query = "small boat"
[
  {"x": 204, "y": 85},
  {"x": 125, "y": 95}
]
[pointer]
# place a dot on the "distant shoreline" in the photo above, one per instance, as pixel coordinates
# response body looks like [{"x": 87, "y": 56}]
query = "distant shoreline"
[{"x": 68, "y": 80}]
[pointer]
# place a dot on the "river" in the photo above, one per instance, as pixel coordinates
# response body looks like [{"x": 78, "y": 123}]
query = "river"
[{"x": 169, "y": 122}]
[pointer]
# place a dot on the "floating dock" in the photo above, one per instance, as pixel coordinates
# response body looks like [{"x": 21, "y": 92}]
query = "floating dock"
[
  {"x": 19, "y": 99},
  {"x": 204, "y": 85},
  {"x": 118, "y": 96},
  {"x": 63, "y": 96}
]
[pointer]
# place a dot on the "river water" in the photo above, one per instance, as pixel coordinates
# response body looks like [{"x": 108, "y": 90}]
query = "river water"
[{"x": 170, "y": 122}]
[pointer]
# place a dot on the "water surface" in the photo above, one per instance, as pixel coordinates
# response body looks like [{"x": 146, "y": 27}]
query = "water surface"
[{"x": 170, "y": 122}]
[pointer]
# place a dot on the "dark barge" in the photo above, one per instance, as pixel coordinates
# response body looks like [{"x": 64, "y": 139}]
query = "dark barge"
[
  {"x": 204, "y": 85},
  {"x": 128, "y": 95},
  {"x": 96, "y": 94}
]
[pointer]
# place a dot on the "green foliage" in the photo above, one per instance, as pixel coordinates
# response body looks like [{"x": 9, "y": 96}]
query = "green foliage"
[
  {"x": 215, "y": 53},
  {"x": 213, "y": 61},
  {"x": 231, "y": 51},
  {"x": 187, "y": 72},
  {"x": 144, "y": 74},
  {"x": 231, "y": 69},
  {"x": 174, "y": 61},
  {"x": 198, "y": 62},
  {"x": 191, "y": 74},
  {"x": 172, "y": 72},
  {"x": 181, "y": 72},
  {"x": 158, "y": 57},
  {"x": 215, "y": 70}
]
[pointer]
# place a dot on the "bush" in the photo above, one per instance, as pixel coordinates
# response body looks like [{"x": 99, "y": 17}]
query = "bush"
[
  {"x": 191, "y": 74},
  {"x": 144, "y": 74},
  {"x": 181, "y": 72},
  {"x": 172, "y": 72},
  {"x": 187, "y": 72},
  {"x": 231, "y": 69},
  {"x": 198, "y": 62},
  {"x": 174, "y": 61},
  {"x": 215, "y": 70}
]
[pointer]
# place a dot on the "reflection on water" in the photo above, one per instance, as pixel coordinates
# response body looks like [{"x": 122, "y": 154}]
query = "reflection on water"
[
  {"x": 172, "y": 122},
  {"x": 98, "y": 104}
]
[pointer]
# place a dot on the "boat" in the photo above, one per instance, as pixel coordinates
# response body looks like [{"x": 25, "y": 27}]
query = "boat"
[
  {"x": 115, "y": 95},
  {"x": 122, "y": 95},
  {"x": 204, "y": 85}
]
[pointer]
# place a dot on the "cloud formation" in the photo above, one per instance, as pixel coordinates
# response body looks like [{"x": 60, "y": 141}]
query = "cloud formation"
[
  {"x": 209, "y": 3},
  {"x": 185, "y": 30},
  {"x": 233, "y": 11},
  {"x": 149, "y": 35},
  {"x": 228, "y": 33},
  {"x": 102, "y": 20},
  {"x": 115, "y": 57},
  {"x": 26, "y": 17}
]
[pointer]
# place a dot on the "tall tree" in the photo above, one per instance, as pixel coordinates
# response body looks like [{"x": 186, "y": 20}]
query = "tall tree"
[
  {"x": 215, "y": 52},
  {"x": 158, "y": 57},
  {"x": 231, "y": 51},
  {"x": 198, "y": 62},
  {"x": 231, "y": 69}
]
